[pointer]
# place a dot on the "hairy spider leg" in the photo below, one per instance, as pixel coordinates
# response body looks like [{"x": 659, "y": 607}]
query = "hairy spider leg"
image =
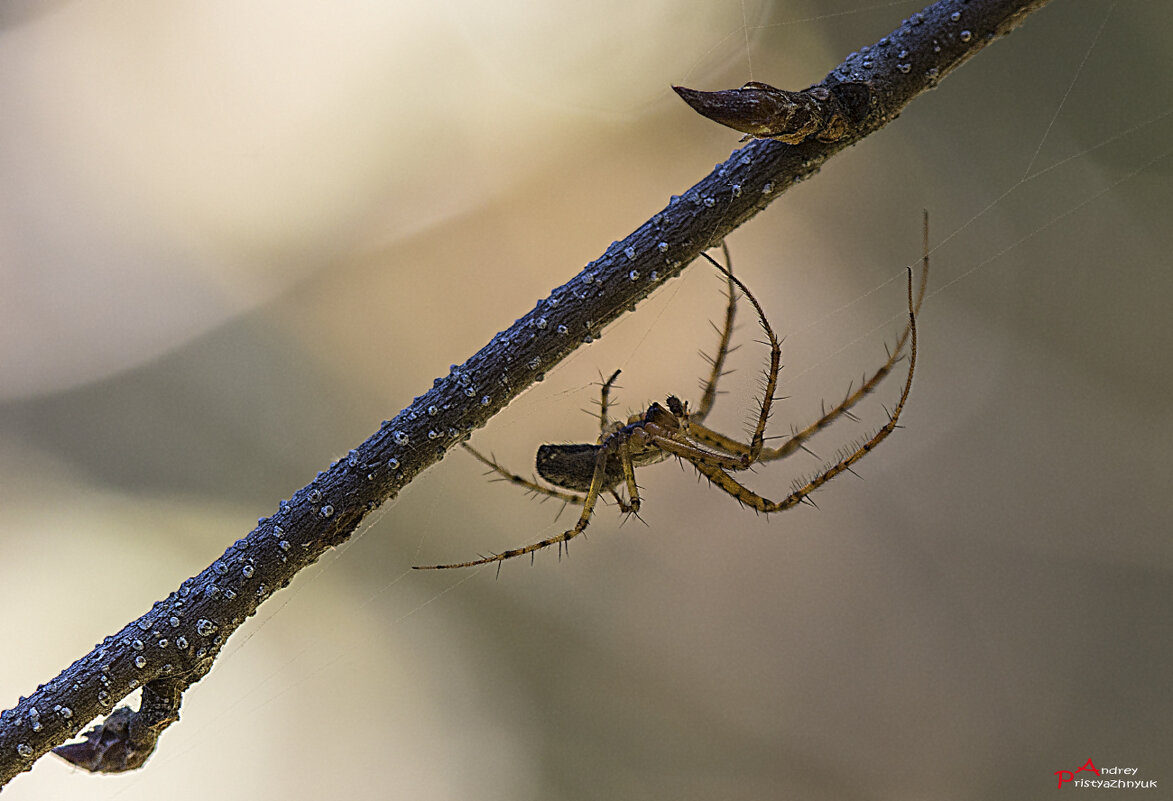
[
  {"x": 798, "y": 439},
  {"x": 530, "y": 484},
  {"x": 612, "y": 444},
  {"x": 717, "y": 361},
  {"x": 757, "y": 441},
  {"x": 750, "y": 498},
  {"x": 604, "y": 402}
]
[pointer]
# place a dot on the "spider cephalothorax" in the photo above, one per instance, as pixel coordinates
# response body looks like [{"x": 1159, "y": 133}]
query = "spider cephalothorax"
[{"x": 579, "y": 473}]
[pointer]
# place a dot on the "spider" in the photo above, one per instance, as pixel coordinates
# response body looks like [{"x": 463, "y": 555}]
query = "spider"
[{"x": 580, "y": 473}]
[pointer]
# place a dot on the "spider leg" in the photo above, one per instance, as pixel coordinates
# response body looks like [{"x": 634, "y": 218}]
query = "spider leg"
[
  {"x": 798, "y": 440},
  {"x": 628, "y": 476},
  {"x": 717, "y": 362},
  {"x": 624, "y": 506},
  {"x": 843, "y": 409},
  {"x": 750, "y": 498},
  {"x": 521, "y": 481},
  {"x": 690, "y": 452},
  {"x": 715, "y": 439},
  {"x": 604, "y": 398},
  {"x": 588, "y": 507},
  {"x": 757, "y": 441}
]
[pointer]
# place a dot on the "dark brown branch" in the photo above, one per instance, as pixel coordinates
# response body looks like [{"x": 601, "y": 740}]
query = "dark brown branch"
[{"x": 175, "y": 643}]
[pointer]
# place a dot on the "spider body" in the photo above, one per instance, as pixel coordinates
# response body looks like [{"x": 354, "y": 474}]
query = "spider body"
[
  {"x": 580, "y": 473},
  {"x": 572, "y": 467}
]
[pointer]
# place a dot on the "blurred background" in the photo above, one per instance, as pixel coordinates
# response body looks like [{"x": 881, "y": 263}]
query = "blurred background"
[{"x": 235, "y": 237}]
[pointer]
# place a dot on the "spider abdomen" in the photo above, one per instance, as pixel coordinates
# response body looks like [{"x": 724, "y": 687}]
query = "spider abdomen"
[{"x": 572, "y": 467}]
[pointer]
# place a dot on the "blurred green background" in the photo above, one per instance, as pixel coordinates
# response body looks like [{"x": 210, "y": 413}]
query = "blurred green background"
[{"x": 235, "y": 237}]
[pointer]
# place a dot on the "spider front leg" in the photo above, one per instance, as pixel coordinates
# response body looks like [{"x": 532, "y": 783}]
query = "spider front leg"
[
  {"x": 717, "y": 361},
  {"x": 799, "y": 438},
  {"x": 843, "y": 408},
  {"x": 747, "y": 496},
  {"x": 757, "y": 441},
  {"x": 613, "y": 445}
]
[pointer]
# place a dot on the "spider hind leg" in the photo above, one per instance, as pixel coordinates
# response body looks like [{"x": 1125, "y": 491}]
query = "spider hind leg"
[{"x": 615, "y": 444}]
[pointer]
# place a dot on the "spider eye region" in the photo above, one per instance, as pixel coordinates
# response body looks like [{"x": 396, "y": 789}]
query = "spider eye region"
[{"x": 675, "y": 406}]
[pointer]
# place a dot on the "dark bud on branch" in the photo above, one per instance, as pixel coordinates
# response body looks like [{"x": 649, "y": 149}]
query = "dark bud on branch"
[
  {"x": 125, "y": 739},
  {"x": 764, "y": 112}
]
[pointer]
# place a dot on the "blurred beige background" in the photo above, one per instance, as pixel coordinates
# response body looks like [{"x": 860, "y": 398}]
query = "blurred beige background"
[{"x": 235, "y": 237}]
